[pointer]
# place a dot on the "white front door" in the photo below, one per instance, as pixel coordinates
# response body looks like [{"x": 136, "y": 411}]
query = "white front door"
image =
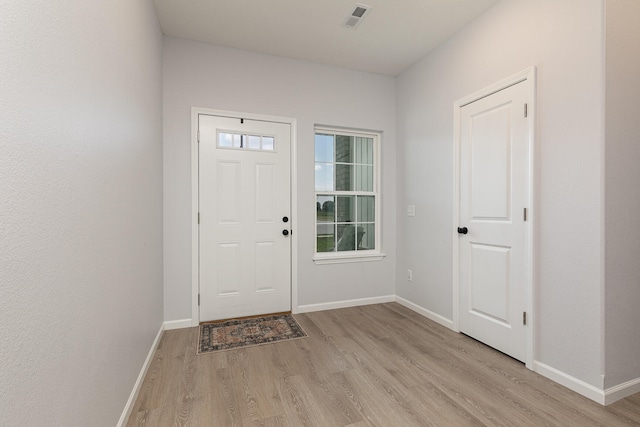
[
  {"x": 245, "y": 204},
  {"x": 494, "y": 186}
]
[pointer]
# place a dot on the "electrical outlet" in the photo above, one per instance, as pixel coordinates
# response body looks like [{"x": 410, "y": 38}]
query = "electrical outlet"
[{"x": 409, "y": 275}]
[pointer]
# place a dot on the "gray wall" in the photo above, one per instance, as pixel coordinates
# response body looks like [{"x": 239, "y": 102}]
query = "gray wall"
[
  {"x": 203, "y": 75},
  {"x": 564, "y": 40},
  {"x": 81, "y": 216},
  {"x": 622, "y": 193}
]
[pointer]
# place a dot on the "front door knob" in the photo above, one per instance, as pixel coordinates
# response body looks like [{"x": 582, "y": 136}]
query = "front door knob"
[
  {"x": 285, "y": 232},
  {"x": 462, "y": 230}
]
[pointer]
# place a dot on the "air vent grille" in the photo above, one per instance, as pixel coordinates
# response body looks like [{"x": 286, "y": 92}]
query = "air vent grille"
[
  {"x": 357, "y": 15},
  {"x": 359, "y": 11},
  {"x": 352, "y": 22}
]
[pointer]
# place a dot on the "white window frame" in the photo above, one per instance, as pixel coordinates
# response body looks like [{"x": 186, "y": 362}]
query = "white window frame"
[{"x": 361, "y": 255}]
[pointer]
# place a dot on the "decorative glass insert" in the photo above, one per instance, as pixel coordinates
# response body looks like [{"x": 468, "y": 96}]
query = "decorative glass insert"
[
  {"x": 346, "y": 192},
  {"x": 242, "y": 141}
]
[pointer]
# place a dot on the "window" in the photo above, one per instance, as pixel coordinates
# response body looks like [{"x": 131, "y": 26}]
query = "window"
[
  {"x": 347, "y": 196},
  {"x": 235, "y": 140}
]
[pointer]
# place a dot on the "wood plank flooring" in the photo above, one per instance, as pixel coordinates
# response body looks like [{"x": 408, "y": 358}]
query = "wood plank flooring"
[{"x": 377, "y": 365}]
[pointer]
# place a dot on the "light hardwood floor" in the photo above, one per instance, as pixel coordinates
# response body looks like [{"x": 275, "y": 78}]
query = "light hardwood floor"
[{"x": 378, "y": 365}]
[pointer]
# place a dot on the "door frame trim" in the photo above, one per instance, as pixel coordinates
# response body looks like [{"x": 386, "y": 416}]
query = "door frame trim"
[
  {"x": 529, "y": 76},
  {"x": 195, "y": 247}
]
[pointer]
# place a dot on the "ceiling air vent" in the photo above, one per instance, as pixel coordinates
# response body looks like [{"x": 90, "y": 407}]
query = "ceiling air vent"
[{"x": 359, "y": 12}]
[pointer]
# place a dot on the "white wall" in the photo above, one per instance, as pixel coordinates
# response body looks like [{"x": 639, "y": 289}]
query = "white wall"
[
  {"x": 202, "y": 75},
  {"x": 564, "y": 40},
  {"x": 622, "y": 172},
  {"x": 80, "y": 222}
]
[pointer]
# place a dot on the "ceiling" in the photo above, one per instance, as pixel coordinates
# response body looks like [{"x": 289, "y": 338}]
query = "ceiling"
[{"x": 391, "y": 37}]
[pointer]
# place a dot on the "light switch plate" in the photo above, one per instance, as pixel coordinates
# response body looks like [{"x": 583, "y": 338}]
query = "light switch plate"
[{"x": 411, "y": 210}]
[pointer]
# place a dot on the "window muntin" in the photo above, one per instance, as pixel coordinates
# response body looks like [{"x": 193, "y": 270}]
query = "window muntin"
[
  {"x": 346, "y": 193},
  {"x": 241, "y": 141}
]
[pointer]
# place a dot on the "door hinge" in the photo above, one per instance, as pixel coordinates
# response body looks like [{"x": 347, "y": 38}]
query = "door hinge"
[
  {"x": 198, "y": 136},
  {"x": 525, "y": 110},
  {"x": 525, "y": 214},
  {"x": 524, "y": 317},
  {"x": 198, "y": 217},
  {"x": 198, "y": 299}
]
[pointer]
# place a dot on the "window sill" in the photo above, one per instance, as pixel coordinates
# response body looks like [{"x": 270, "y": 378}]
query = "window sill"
[{"x": 343, "y": 259}]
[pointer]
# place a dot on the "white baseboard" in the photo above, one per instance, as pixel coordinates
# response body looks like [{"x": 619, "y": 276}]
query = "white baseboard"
[
  {"x": 615, "y": 393},
  {"x": 572, "y": 383},
  {"x": 177, "y": 324},
  {"x": 426, "y": 313},
  {"x": 126, "y": 413},
  {"x": 344, "y": 304}
]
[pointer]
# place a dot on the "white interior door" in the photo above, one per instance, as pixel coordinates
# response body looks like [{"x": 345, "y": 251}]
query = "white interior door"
[
  {"x": 244, "y": 204},
  {"x": 494, "y": 174}
]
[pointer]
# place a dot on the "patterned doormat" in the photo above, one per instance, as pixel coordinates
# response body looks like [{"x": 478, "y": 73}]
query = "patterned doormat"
[{"x": 248, "y": 332}]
